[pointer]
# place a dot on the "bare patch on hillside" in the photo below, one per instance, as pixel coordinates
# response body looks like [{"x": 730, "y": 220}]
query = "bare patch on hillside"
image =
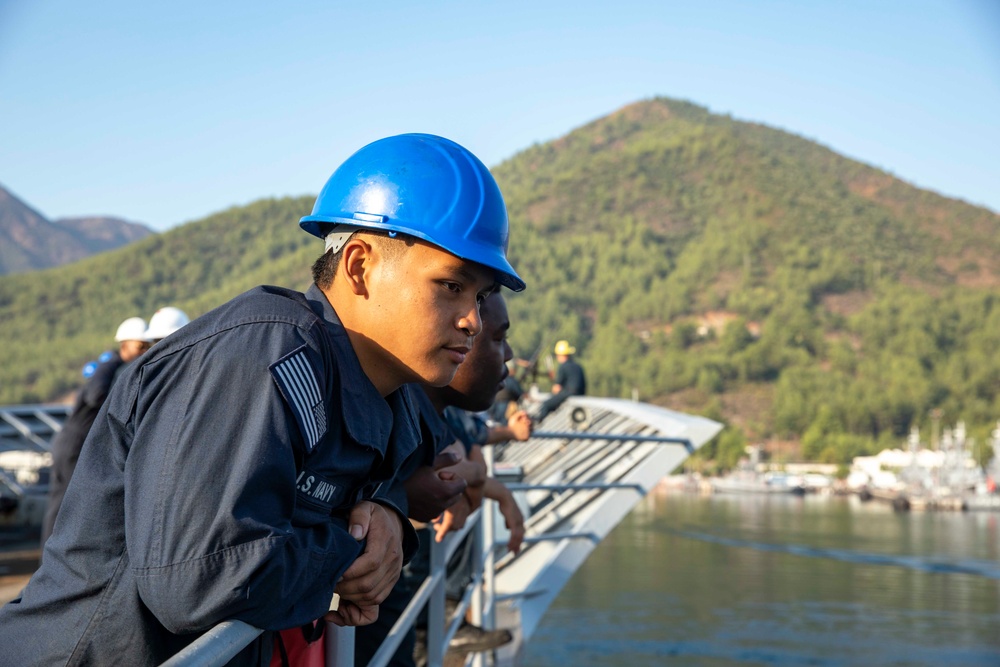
[
  {"x": 748, "y": 408},
  {"x": 915, "y": 283},
  {"x": 727, "y": 282},
  {"x": 715, "y": 321},
  {"x": 686, "y": 400},
  {"x": 777, "y": 451},
  {"x": 644, "y": 111},
  {"x": 871, "y": 185},
  {"x": 848, "y": 303},
  {"x": 712, "y": 322},
  {"x": 663, "y": 222},
  {"x": 970, "y": 269},
  {"x": 541, "y": 210},
  {"x": 852, "y": 339}
]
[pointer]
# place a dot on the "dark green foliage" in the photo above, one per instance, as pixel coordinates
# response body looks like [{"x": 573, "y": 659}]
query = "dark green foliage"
[{"x": 689, "y": 257}]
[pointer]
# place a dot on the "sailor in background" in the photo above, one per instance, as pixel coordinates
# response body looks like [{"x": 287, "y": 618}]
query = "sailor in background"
[
  {"x": 100, "y": 376},
  {"x": 164, "y": 322},
  {"x": 570, "y": 379}
]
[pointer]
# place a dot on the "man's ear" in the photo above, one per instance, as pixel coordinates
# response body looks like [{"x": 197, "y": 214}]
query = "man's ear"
[{"x": 356, "y": 264}]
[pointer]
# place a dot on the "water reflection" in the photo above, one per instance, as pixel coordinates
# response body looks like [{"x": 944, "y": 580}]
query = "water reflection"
[{"x": 729, "y": 580}]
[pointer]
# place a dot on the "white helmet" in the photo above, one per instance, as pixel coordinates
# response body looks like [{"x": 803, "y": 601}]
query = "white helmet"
[
  {"x": 164, "y": 322},
  {"x": 134, "y": 328}
]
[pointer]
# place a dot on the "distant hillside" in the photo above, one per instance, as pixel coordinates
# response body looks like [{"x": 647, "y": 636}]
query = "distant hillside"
[
  {"x": 101, "y": 233},
  {"x": 28, "y": 241},
  {"x": 708, "y": 264}
]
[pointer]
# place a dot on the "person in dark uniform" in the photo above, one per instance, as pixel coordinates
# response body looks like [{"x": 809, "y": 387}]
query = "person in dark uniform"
[
  {"x": 473, "y": 388},
  {"x": 243, "y": 462},
  {"x": 508, "y": 398},
  {"x": 66, "y": 444},
  {"x": 570, "y": 379}
]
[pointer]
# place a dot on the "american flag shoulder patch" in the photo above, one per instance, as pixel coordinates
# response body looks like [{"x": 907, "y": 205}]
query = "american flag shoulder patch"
[{"x": 296, "y": 379}]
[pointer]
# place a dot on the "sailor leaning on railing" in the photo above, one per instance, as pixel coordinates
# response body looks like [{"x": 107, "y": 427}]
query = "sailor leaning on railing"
[{"x": 235, "y": 466}]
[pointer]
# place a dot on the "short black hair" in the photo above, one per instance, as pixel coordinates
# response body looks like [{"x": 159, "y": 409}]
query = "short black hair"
[{"x": 325, "y": 267}]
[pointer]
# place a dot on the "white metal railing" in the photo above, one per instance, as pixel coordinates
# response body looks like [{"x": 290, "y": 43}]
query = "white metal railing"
[
  {"x": 588, "y": 473},
  {"x": 224, "y": 641},
  {"x": 217, "y": 646},
  {"x": 431, "y": 593},
  {"x": 220, "y": 644},
  {"x": 31, "y": 426}
]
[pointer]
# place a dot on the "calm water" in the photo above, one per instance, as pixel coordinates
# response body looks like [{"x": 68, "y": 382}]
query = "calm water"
[{"x": 743, "y": 580}]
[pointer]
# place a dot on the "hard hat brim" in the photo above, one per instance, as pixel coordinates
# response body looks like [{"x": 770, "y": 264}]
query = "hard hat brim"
[{"x": 321, "y": 225}]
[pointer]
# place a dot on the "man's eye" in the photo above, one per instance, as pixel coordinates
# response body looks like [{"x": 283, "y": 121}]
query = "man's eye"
[{"x": 452, "y": 287}]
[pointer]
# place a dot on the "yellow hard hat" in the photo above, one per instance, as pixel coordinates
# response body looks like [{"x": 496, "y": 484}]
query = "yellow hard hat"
[{"x": 563, "y": 347}]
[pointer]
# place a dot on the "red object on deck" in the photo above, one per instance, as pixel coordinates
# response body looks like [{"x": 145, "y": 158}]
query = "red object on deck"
[{"x": 300, "y": 652}]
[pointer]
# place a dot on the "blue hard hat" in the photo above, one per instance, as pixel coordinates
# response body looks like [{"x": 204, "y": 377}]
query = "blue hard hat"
[{"x": 427, "y": 187}]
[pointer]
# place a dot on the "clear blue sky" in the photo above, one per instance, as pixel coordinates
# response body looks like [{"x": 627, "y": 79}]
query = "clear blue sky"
[{"x": 166, "y": 112}]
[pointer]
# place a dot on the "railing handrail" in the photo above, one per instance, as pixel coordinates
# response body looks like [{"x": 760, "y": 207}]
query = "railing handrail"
[
  {"x": 217, "y": 646},
  {"x": 224, "y": 641},
  {"x": 205, "y": 653},
  {"x": 624, "y": 437}
]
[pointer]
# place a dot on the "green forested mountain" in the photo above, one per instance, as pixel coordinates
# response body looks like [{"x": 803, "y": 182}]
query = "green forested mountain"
[{"x": 709, "y": 264}]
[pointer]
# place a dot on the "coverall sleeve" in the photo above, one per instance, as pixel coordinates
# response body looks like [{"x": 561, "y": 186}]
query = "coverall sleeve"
[
  {"x": 394, "y": 493},
  {"x": 435, "y": 436},
  {"x": 212, "y": 524},
  {"x": 393, "y": 498}
]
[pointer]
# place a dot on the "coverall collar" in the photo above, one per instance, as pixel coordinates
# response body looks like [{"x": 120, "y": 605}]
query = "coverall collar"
[{"x": 370, "y": 419}]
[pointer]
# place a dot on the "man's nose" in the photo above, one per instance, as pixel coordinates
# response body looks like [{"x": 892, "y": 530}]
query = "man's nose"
[{"x": 471, "y": 322}]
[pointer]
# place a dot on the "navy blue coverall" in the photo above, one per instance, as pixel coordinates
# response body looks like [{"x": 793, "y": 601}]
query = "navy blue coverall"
[{"x": 215, "y": 485}]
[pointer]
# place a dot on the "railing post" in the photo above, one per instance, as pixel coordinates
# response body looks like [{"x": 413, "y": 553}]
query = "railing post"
[
  {"x": 483, "y": 594},
  {"x": 435, "y": 606},
  {"x": 485, "y": 609},
  {"x": 338, "y": 645}
]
